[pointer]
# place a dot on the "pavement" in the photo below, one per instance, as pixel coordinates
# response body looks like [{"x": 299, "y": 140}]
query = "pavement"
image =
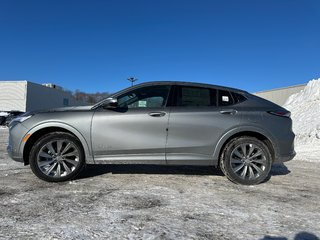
[{"x": 158, "y": 202}]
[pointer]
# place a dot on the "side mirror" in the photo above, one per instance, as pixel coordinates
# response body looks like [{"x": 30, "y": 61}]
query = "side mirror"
[{"x": 110, "y": 103}]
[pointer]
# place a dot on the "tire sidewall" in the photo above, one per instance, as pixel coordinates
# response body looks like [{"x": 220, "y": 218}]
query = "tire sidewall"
[{"x": 48, "y": 138}]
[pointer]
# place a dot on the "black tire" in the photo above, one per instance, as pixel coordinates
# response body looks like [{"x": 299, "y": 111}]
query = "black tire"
[
  {"x": 70, "y": 166},
  {"x": 250, "y": 169}
]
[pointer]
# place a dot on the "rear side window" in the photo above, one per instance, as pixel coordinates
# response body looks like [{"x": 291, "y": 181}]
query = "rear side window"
[
  {"x": 225, "y": 98},
  {"x": 195, "y": 96}
]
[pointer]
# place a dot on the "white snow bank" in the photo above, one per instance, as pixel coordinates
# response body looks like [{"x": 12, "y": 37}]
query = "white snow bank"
[{"x": 305, "y": 113}]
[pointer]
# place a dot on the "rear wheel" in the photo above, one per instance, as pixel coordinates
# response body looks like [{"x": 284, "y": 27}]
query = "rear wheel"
[
  {"x": 246, "y": 160},
  {"x": 57, "y": 157}
]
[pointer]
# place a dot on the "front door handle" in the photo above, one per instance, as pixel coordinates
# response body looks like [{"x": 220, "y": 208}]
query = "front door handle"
[
  {"x": 228, "y": 111},
  {"x": 157, "y": 114}
]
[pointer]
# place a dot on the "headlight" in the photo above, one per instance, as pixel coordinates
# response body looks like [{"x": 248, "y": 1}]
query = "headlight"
[{"x": 21, "y": 118}]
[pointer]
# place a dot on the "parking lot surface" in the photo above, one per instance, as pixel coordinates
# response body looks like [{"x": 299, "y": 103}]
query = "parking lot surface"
[{"x": 158, "y": 202}]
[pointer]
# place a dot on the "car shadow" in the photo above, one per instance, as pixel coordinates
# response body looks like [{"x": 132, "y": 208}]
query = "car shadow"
[
  {"x": 93, "y": 170},
  {"x": 298, "y": 236},
  {"x": 279, "y": 169}
]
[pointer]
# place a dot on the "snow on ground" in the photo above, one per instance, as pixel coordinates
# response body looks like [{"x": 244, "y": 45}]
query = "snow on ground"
[
  {"x": 158, "y": 202},
  {"x": 305, "y": 113},
  {"x": 4, "y": 114}
]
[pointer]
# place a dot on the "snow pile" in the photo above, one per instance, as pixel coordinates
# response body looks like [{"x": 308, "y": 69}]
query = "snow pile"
[{"x": 305, "y": 113}]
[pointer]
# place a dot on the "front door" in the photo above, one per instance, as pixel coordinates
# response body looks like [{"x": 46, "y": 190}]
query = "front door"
[{"x": 136, "y": 131}]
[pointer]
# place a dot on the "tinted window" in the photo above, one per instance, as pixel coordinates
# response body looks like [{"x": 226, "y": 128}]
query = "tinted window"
[
  {"x": 195, "y": 96},
  {"x": 146, "y": 97},
  {"x": 238, "y": 97},
  {"x": 225, "y": 98}
]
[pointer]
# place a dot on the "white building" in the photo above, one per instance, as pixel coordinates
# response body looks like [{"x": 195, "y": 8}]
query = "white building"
[{"x": 27, "y": 96}]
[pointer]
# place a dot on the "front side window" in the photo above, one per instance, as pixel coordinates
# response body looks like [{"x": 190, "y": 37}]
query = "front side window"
[
  {"x": 195, "y": 96},
  {"x": 145, "y": 97}
]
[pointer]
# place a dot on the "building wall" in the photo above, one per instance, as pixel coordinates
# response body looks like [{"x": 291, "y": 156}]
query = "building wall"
[
  {"x": 280, "y": 95},
  {"x": 41, "y": 97},
  {"x": 27, "y": 96},
  {"x": 13, "y": 95}
]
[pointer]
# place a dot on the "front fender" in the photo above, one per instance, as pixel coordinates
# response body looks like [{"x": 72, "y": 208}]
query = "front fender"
[{"x": 86, "y": 145}]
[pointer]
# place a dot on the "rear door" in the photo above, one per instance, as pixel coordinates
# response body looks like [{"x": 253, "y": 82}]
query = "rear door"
[{"x": 196, "y": 124}]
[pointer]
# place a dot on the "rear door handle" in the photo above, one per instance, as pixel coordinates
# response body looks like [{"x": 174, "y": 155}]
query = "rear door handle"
[
  {"x": 228, "y": 111},
  {"x": 157, "y": 114}
]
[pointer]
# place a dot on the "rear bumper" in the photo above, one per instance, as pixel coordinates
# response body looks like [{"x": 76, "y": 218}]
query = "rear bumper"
[
  {"x": 284, "y": 150},
  {"x": 285, "y": 158}
]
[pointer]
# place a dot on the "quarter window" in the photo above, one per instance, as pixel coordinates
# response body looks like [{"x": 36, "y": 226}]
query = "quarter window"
[{"x": 238, "y": 97}]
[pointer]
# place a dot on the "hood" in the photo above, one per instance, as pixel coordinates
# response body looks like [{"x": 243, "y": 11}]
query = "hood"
[
  {"x": 63, "y": 109},
  {"x": 71, "y": 109}
]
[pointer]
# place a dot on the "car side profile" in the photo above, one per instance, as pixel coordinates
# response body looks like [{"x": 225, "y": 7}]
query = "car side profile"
[{"x": 170, "y": 123}]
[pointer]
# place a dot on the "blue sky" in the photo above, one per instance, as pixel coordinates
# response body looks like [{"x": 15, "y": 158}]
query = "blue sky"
[{"x": 95, "y": 45}]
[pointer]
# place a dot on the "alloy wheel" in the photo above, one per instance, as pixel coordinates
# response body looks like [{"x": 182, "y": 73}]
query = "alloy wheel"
[
  {"x": 248, "y": 161},
  {"x": 58, "y": 158}
]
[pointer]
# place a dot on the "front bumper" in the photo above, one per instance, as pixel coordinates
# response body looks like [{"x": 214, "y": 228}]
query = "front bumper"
[
  {"x": 16, "y": 134},
  {"x": 12, "y": 156}
]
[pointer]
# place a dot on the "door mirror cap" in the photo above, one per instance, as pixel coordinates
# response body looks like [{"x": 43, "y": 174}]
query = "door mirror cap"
[{"x": 110, "y": 103}]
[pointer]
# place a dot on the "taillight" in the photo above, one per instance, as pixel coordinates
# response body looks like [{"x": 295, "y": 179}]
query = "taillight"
[{"x": 280, "y": 113}]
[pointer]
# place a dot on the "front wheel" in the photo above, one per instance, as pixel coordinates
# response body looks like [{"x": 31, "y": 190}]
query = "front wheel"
[
  {"x": 57, "y": 157},
  {"x": 246, "y": 160}
]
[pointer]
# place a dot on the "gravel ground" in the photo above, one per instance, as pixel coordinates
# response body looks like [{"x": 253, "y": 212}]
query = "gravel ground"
[{"x": 158, "y": 202}]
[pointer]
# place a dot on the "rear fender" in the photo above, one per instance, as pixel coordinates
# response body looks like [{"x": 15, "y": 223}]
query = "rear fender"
[{"x": 236, "y": 131}]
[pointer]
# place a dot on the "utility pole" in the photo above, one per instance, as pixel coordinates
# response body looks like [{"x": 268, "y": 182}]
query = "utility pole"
[{"x": 132, "y": 80}]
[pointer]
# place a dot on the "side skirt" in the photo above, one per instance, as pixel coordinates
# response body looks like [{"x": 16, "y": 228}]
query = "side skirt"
[{"x": 157, "y": 159}]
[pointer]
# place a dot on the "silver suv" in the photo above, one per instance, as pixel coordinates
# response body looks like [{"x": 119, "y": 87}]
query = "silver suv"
[{"x": 171, "y": 123}]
